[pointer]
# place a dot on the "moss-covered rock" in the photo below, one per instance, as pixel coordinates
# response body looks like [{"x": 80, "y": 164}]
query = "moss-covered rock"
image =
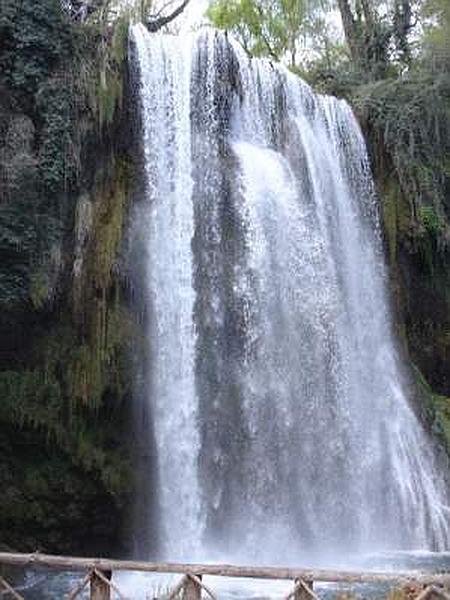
[
  {"x": 65, "y": 326},
  {"x": 407, "y": 126},
  {"x": 65, "y": 408}
]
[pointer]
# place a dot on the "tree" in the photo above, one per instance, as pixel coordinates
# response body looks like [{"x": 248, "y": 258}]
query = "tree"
[
  {"x": 376, "y": 32},
  {"x": 328, "y": 55},
  {"x": 270, "y": 28},
  {"x": 80, "y": 10},
  {"x": 436, "y": 38}
]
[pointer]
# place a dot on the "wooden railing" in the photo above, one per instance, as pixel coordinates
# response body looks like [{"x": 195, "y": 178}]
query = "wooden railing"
[{"x": 99, "y": 577}]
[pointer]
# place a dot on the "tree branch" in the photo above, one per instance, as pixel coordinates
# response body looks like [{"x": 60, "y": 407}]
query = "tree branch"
[
  {"x": 157, "y": 23},
  {"x": 264, "y": 37}
]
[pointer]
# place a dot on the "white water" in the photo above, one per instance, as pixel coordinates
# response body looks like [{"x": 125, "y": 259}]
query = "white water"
[
  {"x": 283, "y": 427},
  {"x": 169, "y": 229}
]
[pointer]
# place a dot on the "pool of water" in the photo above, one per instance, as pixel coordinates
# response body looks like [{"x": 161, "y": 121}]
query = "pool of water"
[{"x": 40, "y": 584}]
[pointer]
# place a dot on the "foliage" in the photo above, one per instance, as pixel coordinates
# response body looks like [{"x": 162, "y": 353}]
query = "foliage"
[
  {"x": 328, "y": 49},
  {"x": 435, "y": 50},
  {"x": 437, "y": 408},
  {"x": 59, "y": 150},
  {"x": 28, "y": 53},
  {"x": 431, "y": 221},
  {"x": 265, "y": 28},
  {"x": 378, "y": 35},
  {"x": 69, "y": 395},
  {"x": 412, "y": 118},
  {"x": 63, "y": 84},
  {"x": 35, "y": 400}
]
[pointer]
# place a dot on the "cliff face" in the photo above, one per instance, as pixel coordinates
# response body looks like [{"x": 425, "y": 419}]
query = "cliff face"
[
  {"x": 65, "y": 327},
  {"x": 407, "y": 127}
]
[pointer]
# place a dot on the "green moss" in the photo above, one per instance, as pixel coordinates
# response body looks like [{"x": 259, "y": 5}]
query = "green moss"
[
  {"x": 437, "y": 409},
  {"x": 97, "y": 299},
  {"x": 39, "y": 289},
  {"x": 109, "y": 220},
  {"x": 442, "y": 407},
  {"x": 390, "y": 220},
  {"x": 431, "y": 221},
  {"x": 397, "y": 217},
  {"x": 410, "y": 119},
  {"x": 85, "y": 383},
  {"x": 71, "y": 395},
  {"x": 54, "y": 403},
  {"x": 108, "y": 68}
]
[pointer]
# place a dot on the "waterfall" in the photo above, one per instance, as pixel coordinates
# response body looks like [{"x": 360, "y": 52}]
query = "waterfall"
[
  {"x": 169, "y": 228},
  {"x": 281, "y": 414}
]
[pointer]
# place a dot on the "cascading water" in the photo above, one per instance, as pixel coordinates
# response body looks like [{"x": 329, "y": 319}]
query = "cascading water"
[
  {"x": 280, "y": 413},
  {"x": 169, "y": 227}
]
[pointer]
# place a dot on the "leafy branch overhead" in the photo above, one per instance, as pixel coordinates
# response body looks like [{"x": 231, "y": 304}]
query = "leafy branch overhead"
[{"x": 271, "y": 28}]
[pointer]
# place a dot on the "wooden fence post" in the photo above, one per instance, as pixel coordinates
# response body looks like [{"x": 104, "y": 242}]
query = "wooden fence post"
[
  {"x": 100, "y": 590},
  {"x": 301, "y": 593},
  {"x": 192, "y": 590}
]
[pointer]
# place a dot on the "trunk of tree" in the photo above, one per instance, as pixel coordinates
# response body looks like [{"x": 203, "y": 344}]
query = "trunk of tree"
[
  {"x": 350, "y": 30},
  {"x": 368, "y": 13},
  {"x": 402, "y": 26},
  {"x": 368, "y": 37}
]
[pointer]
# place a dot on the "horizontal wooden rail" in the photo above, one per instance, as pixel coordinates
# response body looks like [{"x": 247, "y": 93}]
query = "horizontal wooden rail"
[{"x": 70, "y": 563}]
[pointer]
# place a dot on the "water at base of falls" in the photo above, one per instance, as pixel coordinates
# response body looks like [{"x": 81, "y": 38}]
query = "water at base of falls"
[
  {"x": 140, "y": 586},
  {"x": 280, "y": 412}
]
